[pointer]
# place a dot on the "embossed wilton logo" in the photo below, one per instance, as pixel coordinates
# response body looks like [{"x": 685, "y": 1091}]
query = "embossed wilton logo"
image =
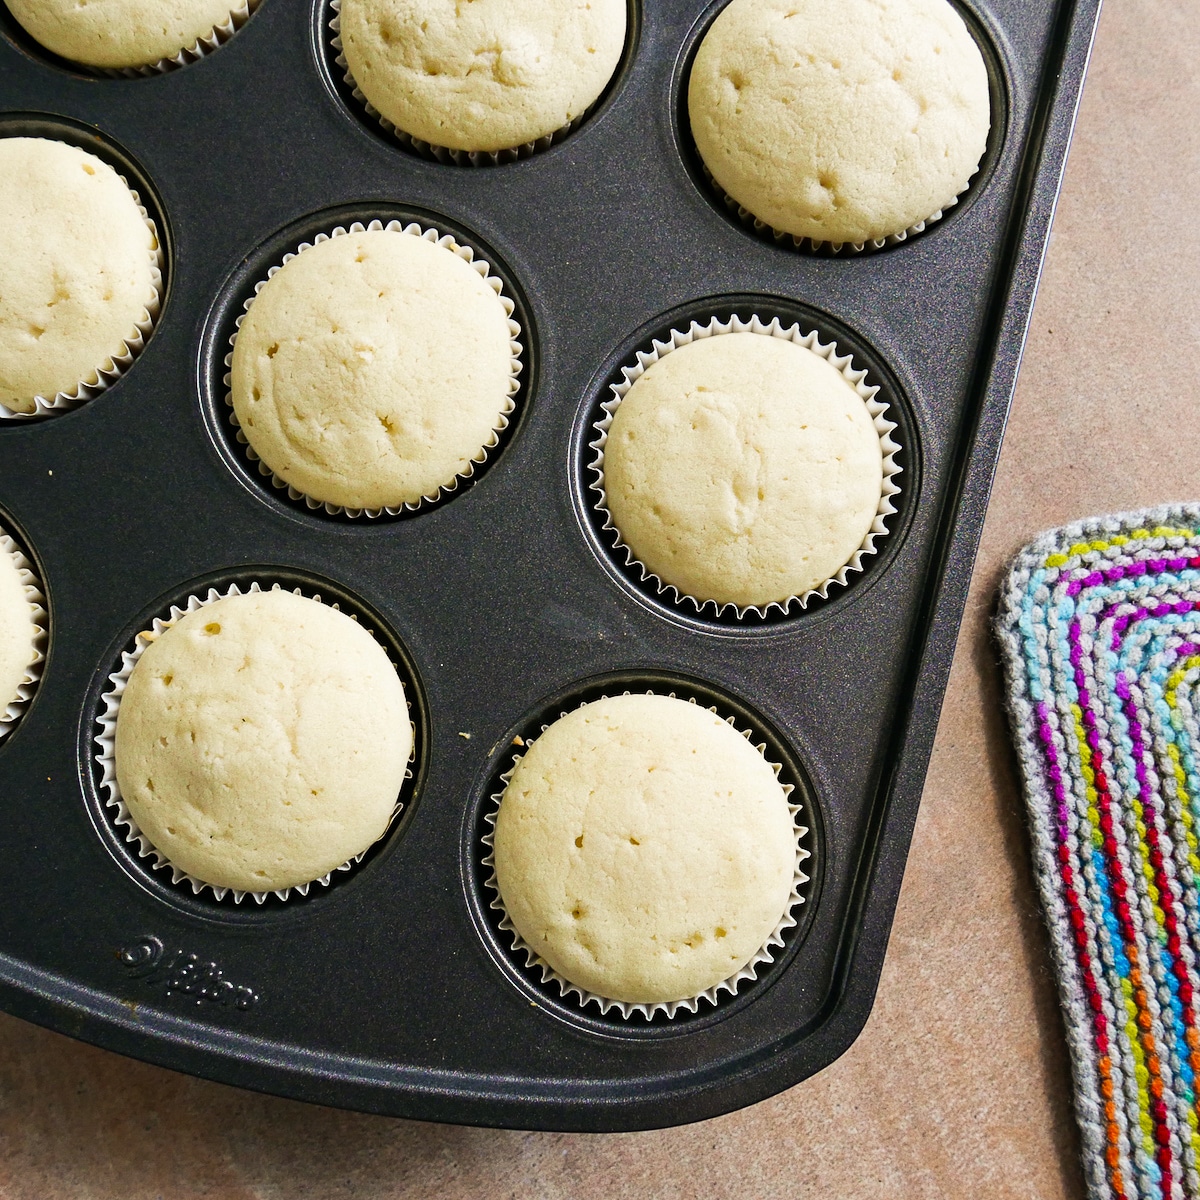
[{"x": 184, "y": 974}]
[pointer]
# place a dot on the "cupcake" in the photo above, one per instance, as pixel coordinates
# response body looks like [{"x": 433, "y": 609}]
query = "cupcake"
[
  {"x": 745, "y": 465},
  {"x": 840, "y": 121},
  {"x": 261, "y": 741},
  {"x": 131, "y": 36},
  {"x": 79, "y": 275},
  {"x": 22, "y": 620},
  {"x": 484, "y": 77},
  {"x": 375, "y": 369},
  {"x": 645, "y": 851}
]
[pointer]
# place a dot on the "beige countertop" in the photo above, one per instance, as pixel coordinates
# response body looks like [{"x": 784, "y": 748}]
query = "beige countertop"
[{"x": 958, "y": 1086}]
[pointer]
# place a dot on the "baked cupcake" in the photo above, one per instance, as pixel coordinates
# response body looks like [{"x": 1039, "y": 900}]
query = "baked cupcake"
[
  {"x": 79, "y": 275},
  {"x": 840, "y": 121},
  {"x": 22, "y": 620},
  {"x": 131, "y": 35},
  {"x": 745, "y": 465},
  {"x": 646, "y": 851},
  {"x": 485, "y": 77},
  {"x": 375, "y": 369},
  {"x": 261, "y": 741}
]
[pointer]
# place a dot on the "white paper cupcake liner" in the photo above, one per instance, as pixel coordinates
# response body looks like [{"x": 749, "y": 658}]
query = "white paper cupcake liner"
[
  {"x": 672, "y": 1008},
  {"x": 12, "y": 713},
  {"x": 821, "y": 246},
  {"x": 460, "y": 158},
  {"x": 109, "y": 371},
  {"x": 856, "y": 376},
  {"x": 446, "y": 241},
  {"x": 105, "y": 756},
  {"x": 213, "y": 40}
]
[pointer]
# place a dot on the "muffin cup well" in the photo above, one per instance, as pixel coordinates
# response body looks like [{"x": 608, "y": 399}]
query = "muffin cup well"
[
  {"x": 105, "y": 757},
  {"x": 448, "y": 242},
  {"x": 857, "y": 377},
  {"x": 12, "y": 713},
  {"x": 444, "y": 154},
  {"x": 673, "y": 1008},
  {"x": 203, "y": 46},
  {"x": 109, "y": 371}
]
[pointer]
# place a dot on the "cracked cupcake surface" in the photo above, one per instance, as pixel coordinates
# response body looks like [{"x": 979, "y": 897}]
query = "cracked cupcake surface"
[
  {"x": 842, "y": 121},
  {"x": 262, "y": 741},
  {"x": 743, "y": 469},
  {"x": 77, "y": 269},
  {"x": 483, "y": 76},
  {"x": 373, "y": 369},
  {"x": 644, "y": 849}
]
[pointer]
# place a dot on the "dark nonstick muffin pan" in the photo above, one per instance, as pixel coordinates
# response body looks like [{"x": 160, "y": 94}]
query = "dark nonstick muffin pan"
[{"x": 393, "y": 990}]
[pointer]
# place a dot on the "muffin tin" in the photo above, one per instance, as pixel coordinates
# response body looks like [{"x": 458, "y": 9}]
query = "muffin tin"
[{"x": 393, "y": 990}]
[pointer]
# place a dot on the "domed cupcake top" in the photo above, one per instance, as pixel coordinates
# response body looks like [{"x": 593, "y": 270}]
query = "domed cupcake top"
[
  {"x": 743, "y": 468},
  {"x": 486, "y": 76},
  {"x": 78, "y": 271},
  {"x": 18, "y": 630},
  {"x": 262, "y": 741},
  {"x": 374, "y": 369},
  {"x": 644, "y": 849},
  {"x": 841, "y": 121},
  {"x": 116, "y": 34}
]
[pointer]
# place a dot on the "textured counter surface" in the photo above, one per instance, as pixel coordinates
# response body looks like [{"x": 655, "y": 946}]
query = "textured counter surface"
[{"x": 958, "y": 1086}]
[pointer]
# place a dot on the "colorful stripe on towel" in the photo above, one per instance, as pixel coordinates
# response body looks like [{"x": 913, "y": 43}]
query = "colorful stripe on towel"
[{"x": 1099, "y": 624}]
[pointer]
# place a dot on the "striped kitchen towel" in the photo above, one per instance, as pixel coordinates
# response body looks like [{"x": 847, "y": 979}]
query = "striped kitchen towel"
[{"x": 1099, "y": 624}]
